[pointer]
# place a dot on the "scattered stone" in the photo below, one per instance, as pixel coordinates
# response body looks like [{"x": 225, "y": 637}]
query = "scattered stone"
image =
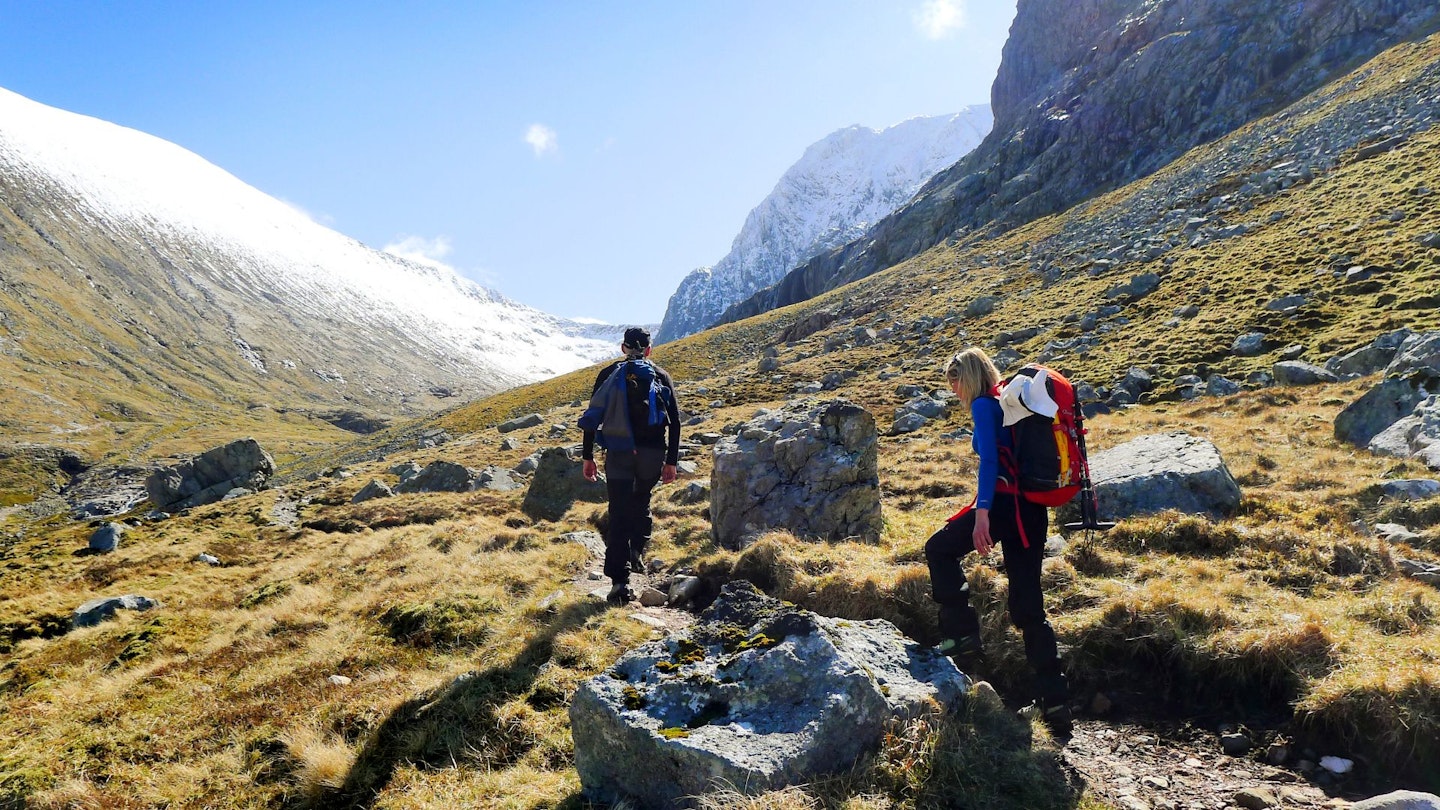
[
  {"x": 1426, "y": 572},
  {"x": 405, "y": 471},
  {"x": 1249, "y": 344},
  {"x": 1218, "y": 386},
  {"x": 984, "y": 305},
  {"x": 909, "y": 423},
  {"x": 1411, "y": 489},
  {"x": 1235, "y": 744},
  {"x": 1382, "y": 406},
  {"x": 338, "y": 680},
  {"x": 375, "y": 489},
  {"x": 694, "y": 492},
  {"x": 1395, "y": 533},
  {"x": 509, "y": 443},
  {"x": 683, "y": 590},
  {"x": 1337, "y": 765},
  {"x": 496, "y": 480},
  {"x": 1257, "y": 798},
  {"x": 1370, "y": 358},
  {"x": 1416, "y": 436},
  {"x": 757, "y": 695},
  {"x": 1137, "y": 287},
  {"x": 592, "y": 541},
  {"x": 1277, "y": 754},
  {"x": 652, "y": 597},
  {"x": 809, "y": 468},
  {"x": 106, "y": 538},
  {"x": 208, "y": 559},
  {"x": 520, "y": 423},
  {"x": 104, "y": 608}
]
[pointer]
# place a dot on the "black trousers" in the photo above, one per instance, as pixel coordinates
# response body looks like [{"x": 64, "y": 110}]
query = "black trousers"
[
  {"x": 949, "y": 588},
  {"x": 629, "y": 480}
]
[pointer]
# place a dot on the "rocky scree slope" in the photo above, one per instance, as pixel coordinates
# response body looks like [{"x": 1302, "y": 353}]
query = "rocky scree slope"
[
  {"x": 1092, "y": 95},
  {"x": 841, "y": 186}
]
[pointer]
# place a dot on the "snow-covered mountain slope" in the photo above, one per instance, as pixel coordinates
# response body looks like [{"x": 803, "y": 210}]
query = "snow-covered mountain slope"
[
  {"x": 194, "y": 263},
  {"x": 838, "y": 188}
]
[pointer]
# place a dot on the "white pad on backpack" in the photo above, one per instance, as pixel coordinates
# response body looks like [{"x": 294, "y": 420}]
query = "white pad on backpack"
[{"x": 1024, "y": 396}]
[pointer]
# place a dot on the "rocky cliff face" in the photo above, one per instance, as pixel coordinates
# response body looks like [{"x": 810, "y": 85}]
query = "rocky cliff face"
[
  {"x": 1096, "y": 93},
  {"x": 840, "y": 187}
]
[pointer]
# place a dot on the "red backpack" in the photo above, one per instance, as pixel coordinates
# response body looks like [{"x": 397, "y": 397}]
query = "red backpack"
[{"x": 1048, "y": 464}]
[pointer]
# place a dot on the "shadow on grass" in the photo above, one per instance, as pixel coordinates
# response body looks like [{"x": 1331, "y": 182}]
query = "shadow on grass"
[{"x": 456, "y": 722}]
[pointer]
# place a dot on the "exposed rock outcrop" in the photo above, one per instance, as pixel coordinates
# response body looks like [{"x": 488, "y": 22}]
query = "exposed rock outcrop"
[{"x": 210, "y": 476}]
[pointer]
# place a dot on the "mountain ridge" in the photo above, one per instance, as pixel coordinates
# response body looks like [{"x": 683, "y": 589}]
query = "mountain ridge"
[{"x": 840, "y": 185}]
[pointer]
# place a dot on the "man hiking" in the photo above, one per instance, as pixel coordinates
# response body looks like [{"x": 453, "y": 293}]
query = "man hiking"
[{"x": 638, "y": 423}]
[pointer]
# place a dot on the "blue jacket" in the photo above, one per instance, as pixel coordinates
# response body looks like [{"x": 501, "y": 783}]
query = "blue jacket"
[{"x": 987, "y": 440}]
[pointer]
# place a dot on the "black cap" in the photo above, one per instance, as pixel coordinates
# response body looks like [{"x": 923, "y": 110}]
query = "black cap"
[{"x": 636, "y": 337}]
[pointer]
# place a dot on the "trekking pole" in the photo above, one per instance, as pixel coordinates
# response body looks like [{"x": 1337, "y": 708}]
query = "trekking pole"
[{"x": 1089, "y": 511}]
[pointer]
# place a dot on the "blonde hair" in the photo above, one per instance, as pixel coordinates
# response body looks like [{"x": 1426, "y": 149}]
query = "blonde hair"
[{"x": 974, "y": 372}]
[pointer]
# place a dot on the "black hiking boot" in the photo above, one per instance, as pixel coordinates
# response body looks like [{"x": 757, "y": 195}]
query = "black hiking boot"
[
  {"x": 1055, "y": 716},
  {"x": 967, "y": 652},
  {"x": 620, "y": 594}
]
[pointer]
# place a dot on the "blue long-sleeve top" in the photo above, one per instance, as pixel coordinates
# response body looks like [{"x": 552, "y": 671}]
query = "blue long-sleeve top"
[{"x": 987, "y": 440}]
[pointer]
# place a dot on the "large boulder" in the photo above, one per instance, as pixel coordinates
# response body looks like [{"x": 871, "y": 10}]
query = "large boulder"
[
  {"x": 757, "y": 695},
  {"x": 809, "y": 468},
  {"x": 1415, "y": 436},
  {"x": 208, "y": 477},
  {"x": 107, "y": 538},
  {"x": 1369, "y": 358},
  {"x": 1382, "y": 406},
  {"x": 1163, "y": 471},
  {"x": 556, "y": 484}
]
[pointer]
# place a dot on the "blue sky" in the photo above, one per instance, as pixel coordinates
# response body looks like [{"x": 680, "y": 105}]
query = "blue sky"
[{"x": 579, "y": 157}]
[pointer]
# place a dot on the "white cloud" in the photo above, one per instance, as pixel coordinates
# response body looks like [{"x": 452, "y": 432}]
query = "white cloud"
[
  {"x": 418, "y": 249},
  {"x": 938, "y": 19},
  {"x": 542, "y": 140}
]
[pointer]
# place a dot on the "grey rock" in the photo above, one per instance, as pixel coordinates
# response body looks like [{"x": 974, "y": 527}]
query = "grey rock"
[
  {"x": 1296, "y": 372},
  {"x": 557, "y": 484},
  {"x": 1287, "y": 302},
  {"x": 1187, "y": 311},
  {"x": 1411, "y": 489},
  {"x": 529, "y": 464},
  {"x": 592, "y": 541},
  {"x": 1235, "y": 744},
  {"x": 405, "y": 471},
  {"x": 1257, "y": 798},
  {"x": 440, "y": 476},
  {"x": 106, "y": 538},
  {"x": 1249, "y": 344},
  {"x": 1137, "y": 287},
  {"x": 1137, "y": 381},
  {"x": 375, "y": 489},
  {"x": 104, "y": 608},
  {"x": 909, "y": 423},
  {"x": 508, "y": 443},
  {"x": 984, "y": 305},
  {"x": 1219, "y": 386},
  {"x": 1426, "y": 572},
  {"x": 807, "y": 700},
  {"x": 810, "y": 468},
  {"x": 1382, "y": 406},
  {"x": 767, "y": 365},
  {"x": 652, "y": 597},
  {"x": 208, "y": 559},
  {"x": 695, "y": 492},
  {"x": 684, "y": 589},
  {"x": 1416, "y": 436},
  {"x": 1399, "y": 800},
  {"x": 1292, "y": 352},
  {"x": 1163, "y": 471},
  {"x": 206, "y": 478},
  {"x": 104, "y": 491},
  {"x": 1395, "y": 533},
  {"x": 520, "y": 423},
  {"x": 1417, "y": 353},
  {"x": 495, "y": 479},
  {"x": 1369, "y": 358}
]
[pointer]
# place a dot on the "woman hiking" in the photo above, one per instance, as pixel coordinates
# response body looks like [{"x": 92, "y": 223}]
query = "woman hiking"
[{"x": 999, "y": 516}]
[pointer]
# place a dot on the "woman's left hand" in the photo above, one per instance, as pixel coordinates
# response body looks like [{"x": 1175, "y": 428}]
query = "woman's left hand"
[{"x": 983, "y": 541}]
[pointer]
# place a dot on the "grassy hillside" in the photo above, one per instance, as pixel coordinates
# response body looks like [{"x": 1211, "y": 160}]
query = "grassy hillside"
[{"x": 1286, "y": 616}]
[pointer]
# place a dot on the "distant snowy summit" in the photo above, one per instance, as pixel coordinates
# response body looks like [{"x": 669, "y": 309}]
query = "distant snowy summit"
[
  {"x": 831, "y": 196},
  {"x": 255, "y": 280}
]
